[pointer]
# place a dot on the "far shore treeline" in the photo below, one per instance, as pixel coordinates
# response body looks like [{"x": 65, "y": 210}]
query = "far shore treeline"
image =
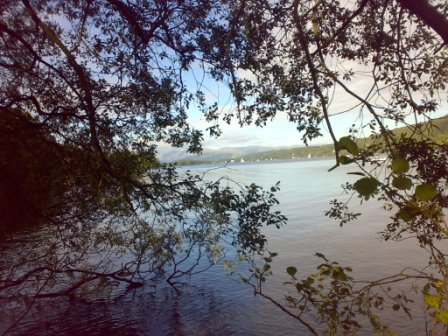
[{"x": 439, "y": 133}]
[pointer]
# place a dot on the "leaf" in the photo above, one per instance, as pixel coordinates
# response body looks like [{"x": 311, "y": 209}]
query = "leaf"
[
  {"x": 308, "y": 282},
  {"x": 432, "y": 301},
  {"x": 291, "y": 270},
  {"x": 356, "y": 173},
  {"x": 345, "y": 159},
  {"x": 396, "y": 307},
  {"x": 366, "y": 186},
  {"x": 320, "y": 255},
  {"x": 341, "y": 275},
  {"x": 375, "y": 321},
  {"x": 402, "y": 182},
  {"x": 443, "y": 316},
  {"x": 405, "y": 214},
  {"x": 409, "y": 211},
  {"x": 348, "y": 144},
  {"x": 400, "y": 165},
  {"x": 425, "y": 192},
  {"x": 439, "y": 284}
]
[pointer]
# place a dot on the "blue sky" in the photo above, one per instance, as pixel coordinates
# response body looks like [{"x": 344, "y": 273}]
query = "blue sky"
[
  {"x": 281, "y": 132},
  {"x": 277, "y": 133}
]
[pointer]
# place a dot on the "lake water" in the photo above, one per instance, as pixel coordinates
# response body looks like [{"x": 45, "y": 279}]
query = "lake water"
[{"x": 214, "y": 303}]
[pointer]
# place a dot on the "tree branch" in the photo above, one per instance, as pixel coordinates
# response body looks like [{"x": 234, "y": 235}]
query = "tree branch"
[{"x": 429, "y": 15}]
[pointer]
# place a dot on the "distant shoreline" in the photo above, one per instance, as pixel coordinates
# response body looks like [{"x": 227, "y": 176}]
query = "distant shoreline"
[{"x": 200, "y": 164}]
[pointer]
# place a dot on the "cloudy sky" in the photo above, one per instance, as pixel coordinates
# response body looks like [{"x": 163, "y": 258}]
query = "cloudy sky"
[{"x": 280, "y": 132}]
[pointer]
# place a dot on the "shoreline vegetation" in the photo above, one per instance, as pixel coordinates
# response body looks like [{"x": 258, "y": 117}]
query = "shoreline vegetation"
[{"x": 438, "y": 131}]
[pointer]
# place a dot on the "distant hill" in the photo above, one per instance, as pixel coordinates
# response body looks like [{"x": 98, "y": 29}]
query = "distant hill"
[
  {"x": 211, "y": 155},
  {"x": 437, "y": 130},
  {"x": 292, "y": 153},
  {"x": 272, "y": 154}
]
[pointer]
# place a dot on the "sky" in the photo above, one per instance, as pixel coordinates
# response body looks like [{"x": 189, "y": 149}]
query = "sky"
[
  {"x": 277, "y": 133},
  {"x": 280, "y": 132}
]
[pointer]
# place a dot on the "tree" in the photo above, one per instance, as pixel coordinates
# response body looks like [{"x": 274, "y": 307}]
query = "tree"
[
  {"x": 88, "y": 88},
  {"x": 25, "y": 174},
  {"x": 105, "y": 80},
  {"x": 297, "y": 55}
]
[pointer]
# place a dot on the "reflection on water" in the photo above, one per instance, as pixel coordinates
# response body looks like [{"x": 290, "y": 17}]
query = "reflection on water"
[{"x": 213, "y": 303}]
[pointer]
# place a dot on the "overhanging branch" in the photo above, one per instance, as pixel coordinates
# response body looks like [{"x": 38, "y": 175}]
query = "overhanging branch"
[{"x": 429, "y": 15}]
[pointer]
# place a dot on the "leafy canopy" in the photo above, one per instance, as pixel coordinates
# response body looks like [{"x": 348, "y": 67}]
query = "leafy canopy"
[{"x": 103, "y": 81}]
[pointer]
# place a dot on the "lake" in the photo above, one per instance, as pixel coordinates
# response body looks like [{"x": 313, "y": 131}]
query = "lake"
[{"x": 215, "y": 303}]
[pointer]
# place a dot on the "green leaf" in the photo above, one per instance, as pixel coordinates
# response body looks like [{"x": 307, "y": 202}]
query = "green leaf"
[
  {"x": 396, "y": 307},
  {"x": 308, "y": 282},
  {"x": 356, "y": 173},
  {"x": 320, "y": 255},
  {"x": 443, "y": 316},
  {"x": 341, "y": 275},
  {"x": 400, "y": 165},
  {"x": 375, "y": 321},
  {"x": 409, "y": 211},
  {"x": 348, "y": 144},
  {"x": 425, "y": 192},
  {"x": 366, "y": 186},
  {"x": 344, "y": 159},
  {"x": 402, "y": 182},
  {"x": 291, "y": 270},
  {"x": 432, "y": 301},
  {"x": 405, "y": 214}
]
